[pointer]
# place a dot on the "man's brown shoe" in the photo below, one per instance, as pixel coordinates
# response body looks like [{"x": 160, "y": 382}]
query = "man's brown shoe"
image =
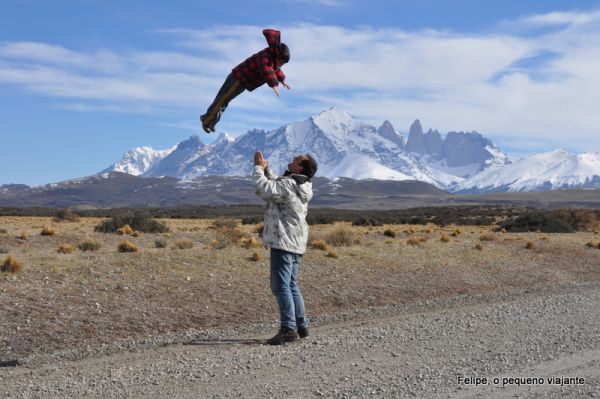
[{"x": 283, "y": 336}]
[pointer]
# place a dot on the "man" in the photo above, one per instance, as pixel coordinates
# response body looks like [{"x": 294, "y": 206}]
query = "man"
[
  {"x": 286, "y": 233},
  {"x": 262, "y": 67}
]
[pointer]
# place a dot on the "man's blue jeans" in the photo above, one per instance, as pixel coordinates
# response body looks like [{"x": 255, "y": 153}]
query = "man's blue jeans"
[{"x": 284, "y": 285}]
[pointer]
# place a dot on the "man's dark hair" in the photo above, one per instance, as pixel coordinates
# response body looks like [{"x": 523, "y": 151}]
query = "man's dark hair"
[
  {"x": 284, "y": 52},
  {"x": 309, "y": 166}
]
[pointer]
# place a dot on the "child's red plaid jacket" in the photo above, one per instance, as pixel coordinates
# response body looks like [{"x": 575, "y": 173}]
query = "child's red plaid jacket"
[{"x": 262, "y": 67}]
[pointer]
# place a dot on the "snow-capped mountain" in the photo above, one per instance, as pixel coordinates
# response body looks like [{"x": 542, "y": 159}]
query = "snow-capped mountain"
[
  {"x": 465, "y": 162},
  {"x": 551, "y": 170},
  {"x": 138, "y": 160}
]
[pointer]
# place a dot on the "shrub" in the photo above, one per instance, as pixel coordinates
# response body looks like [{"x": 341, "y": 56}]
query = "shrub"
[
  {"x": 160, "y": 243},
  {"x": 66, "y": 215},
  {"x": 478, "y": 247},
  {"x": 48, "y": 231},
  {"x": 135, "y": 220},
  {"x": 3, "y": 231},
  {"x": 126, "y": 246},
  {"x": 89, "y": 245},
  {"x": 66, "y": 249},
  {"x": 23, "y": 237},
  {"x": 259, "y": 229},
  {"x": 414, "y": 241},
  {"x": 252, "y": 219},
  {"x": 444, "y": 238},
  {"x": 319, "y": 244},
  {"x": 341, "y": 236},
  {"x": 255, "y": 257},
  {"x": 312, "y": 219},
  {"x": 220, "y": 243},
  {"x": 183, "y": 244},
  {"x": 332, "y": 254},
  {"x": 389, "y": 233},
  {"x": 11, "y": 265},
  {"x": 530, "y": 245},
  {"x": 578, "y": 219},
  {"x": 542, "y": 222},
  {"x": 367, "y": 222},
  {"x": 124, "y": 230},
  {"x": 136, "y": 233},
  {"x": 488, "y": 237}
]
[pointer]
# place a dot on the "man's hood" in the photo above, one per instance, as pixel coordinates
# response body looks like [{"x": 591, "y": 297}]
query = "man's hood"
[{"x": 303, "y": 187}]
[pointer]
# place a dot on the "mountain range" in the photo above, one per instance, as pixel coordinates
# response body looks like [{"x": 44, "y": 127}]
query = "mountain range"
[{"x": 460, "y": 162}]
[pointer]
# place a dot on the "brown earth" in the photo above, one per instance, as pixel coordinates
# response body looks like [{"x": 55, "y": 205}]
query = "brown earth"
[{"x": 60, "y": 301}]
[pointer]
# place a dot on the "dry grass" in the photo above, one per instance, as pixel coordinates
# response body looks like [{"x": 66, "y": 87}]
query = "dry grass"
[
  {"x": 413, "y": 241},
  {"x": 488, "y": 237},
  {"x": 22, "y": 237},
  {"x": 444, "y": 238},
  {"x": 126, "y": 246},
  {"x": 341, "y": 236},
  {"x": 137, "y": 233},
  {"x": 225, "y": 224},
  {"x": 11, "y": 265},
  {"x": 65, "y": 249},
  {"x": 478, "y": 247},
  {"x": 332, "y": 254},
  {"x": 530, "y": 245},
  {"x": 249, "y": 242},
  {"x": 255, "y": 257},
  {"x": 89, "y": 245},
  {"x": 48, "y": 231},
  {"x": 319, "y": 244},
  {"x": 160, "y": 243},
  {"x": 124, "y": 230},
  {"x": 183, "y": 244},
  {"x": 3, "y": 231}
]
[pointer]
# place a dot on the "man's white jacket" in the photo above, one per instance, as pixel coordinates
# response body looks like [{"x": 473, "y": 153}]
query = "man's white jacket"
[{"x": 287, "y": 199}]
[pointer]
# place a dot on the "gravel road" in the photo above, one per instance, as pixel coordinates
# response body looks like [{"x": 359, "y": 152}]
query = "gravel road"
[{"x": 432, "y": 349}]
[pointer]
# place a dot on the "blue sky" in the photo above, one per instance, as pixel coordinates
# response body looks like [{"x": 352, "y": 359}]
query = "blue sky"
[{"x": 83, "y": 81}]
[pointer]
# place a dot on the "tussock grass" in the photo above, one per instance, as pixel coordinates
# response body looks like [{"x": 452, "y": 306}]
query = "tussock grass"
[
  {"x": 444, "y": 238},
  {"x": 126, "y": 246},
  {"x": 249, "y": 242},
  {"x": 89, "y": 245},
  {"x": 478, "y": 247},
  {"x": 137, "y": 233},
  {"x": 530, "y": 245},
  {"x": 255, "y": 257},
  {"x": 332, "y": 254},
  {"x": 341, "y": 237},
  {"x": 3, "y": 231},
  {"x": 65, "y": 249},
  {"x": 11, "y": 265},
  {"x": 414, "y": 241},
  {"x": 22, "y": 237},
  {"x": 183, "y": 244},
  {"x": 389, "y": 233},
  {"x": 488, "y": 237},
  {"x": 124, "y": 230},
  {"x": 48, "y": 231},
  {"x": 224, "y": 224},
  {"x": 319, "y": 244}
]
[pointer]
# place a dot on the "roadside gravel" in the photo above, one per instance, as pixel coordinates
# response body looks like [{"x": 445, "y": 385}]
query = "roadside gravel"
[{"x": 419, "y": 350}]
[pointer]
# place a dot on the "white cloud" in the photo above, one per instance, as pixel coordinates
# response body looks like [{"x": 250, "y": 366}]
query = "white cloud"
[{"x": 485, "y": 82}]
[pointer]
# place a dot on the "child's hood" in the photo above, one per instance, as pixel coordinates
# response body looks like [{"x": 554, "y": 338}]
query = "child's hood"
[{"x": 273, "y": 38}]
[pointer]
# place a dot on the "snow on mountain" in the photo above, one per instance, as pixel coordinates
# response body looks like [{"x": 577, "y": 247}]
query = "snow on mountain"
[
  {"x": 138, "y": 160},
  {"x": 551, "y": 170},
  {"x": 464, "y": 162}
]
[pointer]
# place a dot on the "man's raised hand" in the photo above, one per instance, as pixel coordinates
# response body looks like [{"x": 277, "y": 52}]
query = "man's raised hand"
[{"x": 259, "y": 160}]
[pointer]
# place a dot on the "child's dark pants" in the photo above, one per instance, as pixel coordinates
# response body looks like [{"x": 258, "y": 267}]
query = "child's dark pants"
[{"x": 230, "y": 89}]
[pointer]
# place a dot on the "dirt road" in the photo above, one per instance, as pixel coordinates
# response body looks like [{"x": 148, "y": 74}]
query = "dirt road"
[{"x": 432, "y": 349}]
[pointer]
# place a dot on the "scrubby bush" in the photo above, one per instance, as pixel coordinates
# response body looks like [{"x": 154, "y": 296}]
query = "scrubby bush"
[
  {"x": 138, "y": 220},
  {"x": 3, "y": 231},
  {"x": 478, "y": 247},
  {"x": 126, "y": 246},
  {"x": 367, "y": 222},
  {"x": 66, "y": 215},
  {"x": 389, "y": 233},
  {"x": 413, "y": 241},
  {"x": 65, "y": 249},
  {"x": 89, "y": 245},
  {"x": 248, "y": 242},
  {"x": 225, "y": 224},
  {"x": 160, "y": 243},
  {"x": 255, "y": 257},
  {"x": 332, "y": 254},
  {"x": 183, "y": 244},
  {"x": 488, "y": 237},
  {"x": 252, "y": 219},
  {"x": 136, "y": 233},
  {"x": 22, "y": 237},
  {"x": 578, "y": 219},
  {"x": 313, "y": 219},
  {"x": 48, "y": 231},
  {"x": 11, "y": 265},
  {"x": 444, "y": 238},
  {"x": 530, "y": 245},
  {"x": 557, "y": 221}
]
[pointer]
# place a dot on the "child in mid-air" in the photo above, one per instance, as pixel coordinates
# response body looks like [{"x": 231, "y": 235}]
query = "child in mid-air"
[{"x": 262, "y": 67}]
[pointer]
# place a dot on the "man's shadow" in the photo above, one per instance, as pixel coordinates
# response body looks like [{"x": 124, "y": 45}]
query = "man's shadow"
[{"x": 226, "y": 342}]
